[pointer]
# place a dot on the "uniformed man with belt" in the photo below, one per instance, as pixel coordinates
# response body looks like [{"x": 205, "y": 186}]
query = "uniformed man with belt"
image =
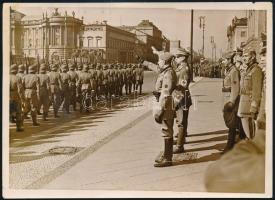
[
  {"x": 231, "y": 89},
  {"x": 105, "y": 81},
  {"x": 66, "y": 82},
  {"x": 139, "y": 74},
  {"x": 251, "y": 90},
  {"x": 86, "y": 84},
  {"x": 56, "y": 88},
  {"x": 99, "y": 75},
  {"x": 182, "y": 97},
  {"x": 17, "y": 97},
  {"x": 44, "y": 91},
  {"x": 163, "y": 109},
  {"x": 31, "y": 84},
  {"x": 73, "y": 77}
]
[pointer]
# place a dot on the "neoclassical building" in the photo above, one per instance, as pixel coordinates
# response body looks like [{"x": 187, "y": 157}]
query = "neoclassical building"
[
  {"x": 59, "y": 35},
  {"x": 52, "y": 35}
]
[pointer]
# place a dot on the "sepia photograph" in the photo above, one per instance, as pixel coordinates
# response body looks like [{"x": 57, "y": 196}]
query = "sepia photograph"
[{"x": 137, "y": 100}]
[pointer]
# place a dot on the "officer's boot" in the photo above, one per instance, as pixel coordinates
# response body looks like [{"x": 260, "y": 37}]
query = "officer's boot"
[
  {"x": 230, "y": 140},
  {"x": 34, "y": 119},
  {"x": 180, "y": 141},
  {"x": 140, "y": 89},
  {"x": 45, "y": 116},
  {"x": 167, "y": 154},
  {"x": 55, "y": 113},
  {"x": 19, "y": 123}
]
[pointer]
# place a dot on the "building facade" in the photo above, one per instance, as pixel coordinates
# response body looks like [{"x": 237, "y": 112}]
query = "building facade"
[
  {"x": 115, "y": 44},
  {"x": 50, "y": 36},
  {"x": 256, "y": 27},
  {"x": 237, "y": 33}
]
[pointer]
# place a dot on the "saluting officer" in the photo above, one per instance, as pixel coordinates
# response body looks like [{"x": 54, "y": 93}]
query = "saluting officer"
[
  {"x": 182, "y": 97},
  {"x": 251, "y": 90},
  {"x": 31, "y": 84},
  {"x": 56, "y": 88},
  {"x": 73, "y": 77},
  {"x": 17, "y": 97},
  {"x": 44, "y": 91},
  {"x": 163, "y": 109}
]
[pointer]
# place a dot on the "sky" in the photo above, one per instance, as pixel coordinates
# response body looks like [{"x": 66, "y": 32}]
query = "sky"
[{"x": 175, "y": 24}]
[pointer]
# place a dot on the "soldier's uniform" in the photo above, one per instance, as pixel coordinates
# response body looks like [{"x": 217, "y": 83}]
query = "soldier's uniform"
[
  {"x": 56, "y": 88},
  {"x": 99, "y": 74},
  {"x": 16, "y": 97},
  {"x": 86, "y": 84},
  {"x": 65, "y": 94},
  {"x": 31, "y": 84},
  {"x": 93, "y": 73},
  {"x": 133, "y": 79},
  {"x": 261, "y": 119},
  {"x": 231, "y": 90},
  {"x": 163, "y": 109},
  {"x": 44, "y": 91},
  {"x": 73, "y": 77},
  {"x": 182, "y": 99},
  {"x": 120, "y": 79},
  {"x": 105, "y": 81},
  {"x": 250, "y": 91},
  {"x": 139, "y": 74}
]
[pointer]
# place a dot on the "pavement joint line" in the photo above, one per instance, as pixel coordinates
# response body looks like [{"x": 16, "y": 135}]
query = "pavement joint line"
[{"x": 86, "y": 152}]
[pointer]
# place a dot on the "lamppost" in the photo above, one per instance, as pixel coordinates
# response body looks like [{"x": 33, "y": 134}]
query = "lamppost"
[
  {"x": 212, "y": 45},
  {"x": 202, "y": 25}
]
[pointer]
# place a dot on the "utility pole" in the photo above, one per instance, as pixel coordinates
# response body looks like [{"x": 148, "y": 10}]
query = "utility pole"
[
  {"x": 191, "y": 46},
  {"x": 202, "y": 25},
  {"x": 212, "y": 46}
]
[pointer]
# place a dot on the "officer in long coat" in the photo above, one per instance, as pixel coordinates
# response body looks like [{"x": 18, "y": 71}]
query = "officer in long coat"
[
  {"x": 31, "y": 83},
  {"x": 231, "y": 89},
  {"x": 16, "y": 97},
  {"x": 73, "y": 77},
  {"x": 56, "y": 88},
  {"x": 44, "y": 91},
  {"x": 163, "y": 109},
  {"x": 261, "y": 119},
  {"x": 251, "y": 90},
  {"x": 182, "y": 97}
]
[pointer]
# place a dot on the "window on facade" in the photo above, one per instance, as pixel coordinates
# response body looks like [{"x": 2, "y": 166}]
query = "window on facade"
[
  {"x": 90, "y": 41},
  {"x": 30, "y": 42},
  {"x": 80, "y": 42},
  {"x": 57, "y": 36},
  {"x": 98, "y": 42},
  {"x": 243, "y": 33}
]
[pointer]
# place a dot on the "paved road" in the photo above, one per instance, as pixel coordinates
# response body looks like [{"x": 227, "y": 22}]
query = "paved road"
[
  {"x": 115, "y": 148},
  {"x": 126, "y": 162}
]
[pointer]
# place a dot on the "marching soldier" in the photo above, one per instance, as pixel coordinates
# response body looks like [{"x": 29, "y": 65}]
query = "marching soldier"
[
  {"x": 21, "y": 71},
  {"x": 231, "y": 92},
  {"x": 73, "y": 77},
  {"x": 139, "y": 73},
  {"x": 78, "y": 89},
  {"x": 16, "y": 97},
  {"x": 86, "y": 84},
  {"x": 93, "y": 74},
  {"x": 182, "y": 97},
  {"x": 31, "y": 84},
  {"x": 44, "y": 91},
  {"x": 99, "y": 74},
  {"x": 105, "y": 81},
  {"x": 164, "y": 109},
  {"x": 120, "y": 79},
  {"x": 133, "y": 77},
  {"x": 56, "y": 88},
  {"x": 251, "y": 89},
  {"x": 66, "y": 82}
]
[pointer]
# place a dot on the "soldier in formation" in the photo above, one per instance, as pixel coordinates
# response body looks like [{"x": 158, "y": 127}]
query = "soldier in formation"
[{"x": 60, "y": 84}]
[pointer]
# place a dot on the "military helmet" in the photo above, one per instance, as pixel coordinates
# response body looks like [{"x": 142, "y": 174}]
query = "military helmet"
[
  {"x": 54, "y": 67},
  {"x": 33, "y": 68},
  {"x": 14, "y": 68},
  {"x": 71, "y": 66},
  {"x": 64, "y": 67},
  {"x": 43, "y": 67},
  {"x": 85, "y": 67},
  {"x": 79, "y": 66},
  {"x": 21, "y": 68}
]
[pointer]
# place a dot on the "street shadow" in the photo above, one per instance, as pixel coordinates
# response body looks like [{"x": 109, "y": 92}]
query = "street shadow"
[
  {"x": 209, "y": 133},
  {"x": 64, "y": 127}
]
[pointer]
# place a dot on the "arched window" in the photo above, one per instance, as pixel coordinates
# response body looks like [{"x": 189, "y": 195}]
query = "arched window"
[{"x": 98, "y": 41}]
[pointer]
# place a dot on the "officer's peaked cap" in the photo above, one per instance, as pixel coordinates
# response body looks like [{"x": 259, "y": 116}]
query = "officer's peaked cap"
[{"x": 166, "y": 56}]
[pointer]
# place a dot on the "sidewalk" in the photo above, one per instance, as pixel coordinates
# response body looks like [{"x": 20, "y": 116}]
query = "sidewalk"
[{"x": 126, "y": 162}]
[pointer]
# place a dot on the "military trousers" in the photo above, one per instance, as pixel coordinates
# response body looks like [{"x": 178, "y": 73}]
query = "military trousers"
[
  {"x": 73, "y": 97},
  {"x": 44, "y": 101},
  {"x": 16, "y": 111}
]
